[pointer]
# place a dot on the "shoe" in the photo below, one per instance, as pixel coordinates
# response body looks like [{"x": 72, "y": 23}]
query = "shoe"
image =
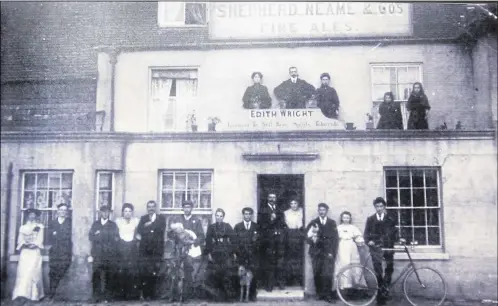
[
  {"x": 281, "y": 287},
  {"x": 269, "y": 289}
]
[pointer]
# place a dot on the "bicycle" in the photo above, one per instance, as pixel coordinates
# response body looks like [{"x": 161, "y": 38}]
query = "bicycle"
[{"x": 420, "y": 284}]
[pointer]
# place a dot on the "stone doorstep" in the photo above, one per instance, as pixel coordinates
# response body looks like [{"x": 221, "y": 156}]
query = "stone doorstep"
[{"x": 291, "y": 293}]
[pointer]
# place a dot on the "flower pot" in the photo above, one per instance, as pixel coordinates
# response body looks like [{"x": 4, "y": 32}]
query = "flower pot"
[
  {"x": 370, "y": 125},
  {"x": 194, "y": 128},
  {"x": 211, "y": 127}
]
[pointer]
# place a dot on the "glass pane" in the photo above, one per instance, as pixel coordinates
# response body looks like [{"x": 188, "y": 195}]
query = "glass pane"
[
  {"x": 167, "y": 200},
  {"x": 404, "y": 178},
  {"x": 206, "y": 179},
  {"x": 67, "y": 180},
  {"x": 381, "y": 75},
  {"x": 417, "y": 178},
  {"x": 392, "y": 198},
  {"x": 404, "y": 91},
  {"x": 168, "y": 181},
  {"x": 195, "y": 13},
  {"x": 407, "y": 233},
  {"x": 105, "y": 198},
  {"x": 408, "y": 75},
  {"x": 193, "y": 181},
  {"x": 179, "y": 198},
  {"x": 41, "y": 199},
  {"x": 406, "y": 217},
  {"x": 180, "y": 180},
  {"x": 391, "y": 178},
  {"x": 54, "y": 198},
  {"x": 418, "y": 198},
  {"x": 194, "y": 197},
  {"x": 42, "y": 182},
  {"x": 29, "y": 199},
  {"x": 205, "y": 200},
  {"x": 29, "y": 181},
  {"x": 105, "y": 181},
  {"x": 379, "y": 91},
  {"x": 430, "y": 178},
  {"x": 433, "y": 217},
  {"x": 434, "y": 236},
  {"x": 419, "y": 217},
  {"x": 66, "y": 197},
  {"x": 405, "y": 198},
  {"x": 54, "y": 181},
  {"x": 420, "y": 236},
  {"x": 432, "y": 197}
]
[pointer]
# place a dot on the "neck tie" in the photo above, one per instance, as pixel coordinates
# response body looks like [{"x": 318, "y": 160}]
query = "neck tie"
[{"x": 247, "y": 226}]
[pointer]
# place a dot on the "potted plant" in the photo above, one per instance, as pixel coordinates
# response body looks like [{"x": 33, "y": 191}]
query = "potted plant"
[
  {"x": 370, "y": 122},
  {"x": 213, "y": 121},
  {"x": 193, "y": 121}
]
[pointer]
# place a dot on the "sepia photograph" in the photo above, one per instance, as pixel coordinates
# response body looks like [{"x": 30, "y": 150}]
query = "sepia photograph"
[{"x": 265, "y": 153}]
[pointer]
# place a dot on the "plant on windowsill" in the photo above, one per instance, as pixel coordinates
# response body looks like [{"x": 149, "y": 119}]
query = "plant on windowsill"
[
  {"x": 370, "y": 122},
  {"x": 213, "y": 121},
  {"x": 193, "y": 121}
]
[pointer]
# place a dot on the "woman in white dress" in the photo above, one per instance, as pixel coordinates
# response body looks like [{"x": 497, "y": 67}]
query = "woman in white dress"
[
  {"x": 350, "y": 238},
  {"x": 29, "y": 280},
  {"x": 294, "y": 221}
]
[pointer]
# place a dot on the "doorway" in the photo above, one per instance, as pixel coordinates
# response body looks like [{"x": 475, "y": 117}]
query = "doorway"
[{"x": 287, "y": 187}]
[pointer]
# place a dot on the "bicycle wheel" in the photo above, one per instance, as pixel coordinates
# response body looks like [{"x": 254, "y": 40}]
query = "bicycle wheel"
[
  {"x": 425, "y": 286},
  {"x": 356, "y": 285}
]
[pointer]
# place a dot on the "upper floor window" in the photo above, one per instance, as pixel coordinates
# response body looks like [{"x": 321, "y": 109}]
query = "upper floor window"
[
  {"x": 414, "y": 194},
  {"x": 44, "y": 190},
  {"x": 177, "y": 14},
  {"x": 395, "y": 78},
  {"x": 173, "y": 93}
]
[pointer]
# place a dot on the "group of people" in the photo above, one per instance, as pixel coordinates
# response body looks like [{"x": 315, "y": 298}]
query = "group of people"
[
  {"x": 128, "y": 254},
  {"x": 295, "y": 93}
]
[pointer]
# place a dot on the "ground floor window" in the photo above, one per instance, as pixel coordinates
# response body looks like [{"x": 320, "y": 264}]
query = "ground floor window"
[
  {"x": 105, "y": 190},
  {"x": 44, "y": 190},
  {"x": 414, "y": 195}
]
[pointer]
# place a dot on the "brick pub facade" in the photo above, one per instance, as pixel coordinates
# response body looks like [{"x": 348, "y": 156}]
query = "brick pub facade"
[{"x": 97, "y": 102}]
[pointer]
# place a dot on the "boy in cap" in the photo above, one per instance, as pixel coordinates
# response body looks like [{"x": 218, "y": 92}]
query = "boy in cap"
[
  {"x": 104, "y": 235},
  {"x": 327, "y": 98},
  {"x": 323, "y": 239}
]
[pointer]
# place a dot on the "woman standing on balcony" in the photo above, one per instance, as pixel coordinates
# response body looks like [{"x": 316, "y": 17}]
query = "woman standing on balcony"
[
  {"x": 29, "y": 280},
  {"x": 256, "y": 96},
  {"x": 390, "y": 114},
  {"x": 419, "y": 107}
]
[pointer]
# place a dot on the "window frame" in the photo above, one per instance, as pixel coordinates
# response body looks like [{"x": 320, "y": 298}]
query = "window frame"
[
  {"x": 440, "y": 225},
  {"x": 97, "y": 190},
  {"x": 162, "y": 23},
  {"x": 177, "y": 123}
]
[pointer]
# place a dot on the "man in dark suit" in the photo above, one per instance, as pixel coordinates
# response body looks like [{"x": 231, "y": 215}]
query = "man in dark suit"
[
  {"x": 247, "y": 242},
  {"x": 192, "y": 265},
  {"x": 295, "y": 93},
  {"x": 104, "y": 235},
  {"x": 381, "y": 232},
  {"x": 326, "y": 98},
  {"x": 61, "y": 250},
  {"x": 272, "y": 224},
  {"x": 323, "y": 239},
  {"x": 150, "y": 232}
]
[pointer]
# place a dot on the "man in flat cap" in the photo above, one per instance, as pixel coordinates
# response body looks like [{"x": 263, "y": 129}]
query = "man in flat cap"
[
  {"x": 61, "y": 250},
  {"x": 323, "y": 238},
  {"x": 191, "y": 264},
  {"x": 104, "y": 235},
  {"x": 327, "y": 98},
  {"x": 247, "y": 242},
  {"x": 150, "y": 232}
]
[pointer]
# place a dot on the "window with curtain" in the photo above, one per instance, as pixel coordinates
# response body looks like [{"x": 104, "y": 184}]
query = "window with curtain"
[
  {"x": 396, "y": 78},
  {"x": 173, "y": 97},
  {"x": 177, "y": 14},
  {"x": 105, "y": 190}
]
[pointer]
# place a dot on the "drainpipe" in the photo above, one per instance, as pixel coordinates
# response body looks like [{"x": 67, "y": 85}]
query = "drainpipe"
[
  {"x": 6, "y": 229},
  {"x": 113, "y": 55}
]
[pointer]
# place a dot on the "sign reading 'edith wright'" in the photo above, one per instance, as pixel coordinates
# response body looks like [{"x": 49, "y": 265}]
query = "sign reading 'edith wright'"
[{"x": 250, "y": 20}]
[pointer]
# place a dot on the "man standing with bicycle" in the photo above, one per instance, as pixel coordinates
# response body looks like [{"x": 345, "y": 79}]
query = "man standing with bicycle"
[{"x": 381, "y": 232}]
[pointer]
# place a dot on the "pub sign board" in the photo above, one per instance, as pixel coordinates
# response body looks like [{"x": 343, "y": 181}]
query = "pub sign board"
[{"x": 291, "y": 20}]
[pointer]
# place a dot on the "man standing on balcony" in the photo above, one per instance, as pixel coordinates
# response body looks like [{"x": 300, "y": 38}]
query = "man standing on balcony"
[
  {"x": 61, "y": 250},
  {"x": 294, "y": 93},
  {"x": 150, "y": 232},
  {"x": 271, "y": 222},
  {"x": 326, "y": 98},
  {"x": 191, "y": 264}
]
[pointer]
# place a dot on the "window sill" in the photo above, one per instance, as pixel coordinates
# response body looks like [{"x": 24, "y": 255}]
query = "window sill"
[
  {"x": 423, "y": 256},
  {"x": 15, "y": 258}
]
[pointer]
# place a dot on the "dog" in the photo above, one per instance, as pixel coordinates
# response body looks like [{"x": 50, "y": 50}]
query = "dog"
[{"x": 245, "y": 278}]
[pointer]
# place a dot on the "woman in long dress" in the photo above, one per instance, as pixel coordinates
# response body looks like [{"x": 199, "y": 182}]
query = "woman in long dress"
[
  {"x": 390, "y": 114},
  {"x": 29, "y": 280},
  {"x": 128, "y": 253},
  {"x": 418, "y": 105},
  {"x": 350, "y": 238},
  {"x": 294, "y": 220}
]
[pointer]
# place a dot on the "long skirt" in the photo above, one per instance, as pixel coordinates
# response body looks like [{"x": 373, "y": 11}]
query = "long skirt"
[
  {"x": 347, "y": 254},
  {"x": 128, "y": 270},
  {"x": 294, "y": 257},
  {"x": 29, "y": 280}
]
